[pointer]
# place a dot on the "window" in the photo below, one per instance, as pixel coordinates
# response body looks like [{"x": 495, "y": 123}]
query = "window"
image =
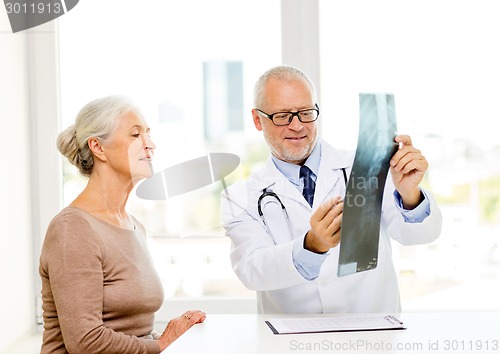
[
  {"x": 439, "y": 60},
  {"x": 180, "y": 61},
  {"x": 190, "y": 67}
]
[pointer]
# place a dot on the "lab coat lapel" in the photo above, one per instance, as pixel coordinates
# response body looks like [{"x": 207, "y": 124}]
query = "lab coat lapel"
[
  {"x": 330, "y": 181},
  {"x": 274, "y": 180},
  {"x": 327, "y": 179}
]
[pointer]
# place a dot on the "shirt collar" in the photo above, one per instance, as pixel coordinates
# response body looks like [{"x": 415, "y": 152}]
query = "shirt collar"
[{"x": 292, "y": 171}]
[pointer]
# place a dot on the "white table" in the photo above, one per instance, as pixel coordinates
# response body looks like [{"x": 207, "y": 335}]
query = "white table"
[{"x": 425, "y": 333}]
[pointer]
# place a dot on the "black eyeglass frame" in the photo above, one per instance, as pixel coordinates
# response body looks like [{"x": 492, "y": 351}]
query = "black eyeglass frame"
[{"x": 293, "y": 114}]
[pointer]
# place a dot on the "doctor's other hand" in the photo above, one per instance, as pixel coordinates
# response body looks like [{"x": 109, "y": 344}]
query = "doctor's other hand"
[
  {"x": 408, "y": 167},
  {"x": 177, "y": 326},
  {"x": 325, "y": 226}
]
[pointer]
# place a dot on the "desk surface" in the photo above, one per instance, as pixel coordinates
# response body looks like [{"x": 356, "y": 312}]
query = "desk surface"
[{"x": 425, "y": 333}]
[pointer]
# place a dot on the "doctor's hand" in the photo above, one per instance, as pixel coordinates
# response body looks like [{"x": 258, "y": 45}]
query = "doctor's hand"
[
  {"x": 325, "y": 226},
  {"x": 408, "y": 167}
]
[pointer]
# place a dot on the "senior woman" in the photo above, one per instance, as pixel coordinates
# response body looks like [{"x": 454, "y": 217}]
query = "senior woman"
[{"x": 99, "y": 286}]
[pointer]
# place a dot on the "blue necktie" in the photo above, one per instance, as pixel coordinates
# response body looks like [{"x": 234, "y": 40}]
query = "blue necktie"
[{"x": 309, "y": 184}]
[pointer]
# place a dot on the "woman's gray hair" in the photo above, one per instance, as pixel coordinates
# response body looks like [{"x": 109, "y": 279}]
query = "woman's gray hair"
[
  {"x": 96, "y": 119},
  {"x": 284, "y": 73}
]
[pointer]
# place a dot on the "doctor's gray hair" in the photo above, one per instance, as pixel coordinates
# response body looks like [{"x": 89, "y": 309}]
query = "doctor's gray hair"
[
  {"x": 284, "y": 73},
  {"x": 97, "y": 119}
]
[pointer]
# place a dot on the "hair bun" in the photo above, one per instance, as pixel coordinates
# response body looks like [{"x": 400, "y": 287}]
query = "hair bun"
[
  {"x": 96, "y": 119},
  {"x": 67, "y": 144}
]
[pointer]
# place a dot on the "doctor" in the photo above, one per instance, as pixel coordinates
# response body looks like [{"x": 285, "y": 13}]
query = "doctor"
[{"x": 286, "y": 249}]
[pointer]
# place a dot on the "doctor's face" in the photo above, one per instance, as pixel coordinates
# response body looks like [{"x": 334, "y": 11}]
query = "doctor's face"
[{"x": 294, "y": 142}]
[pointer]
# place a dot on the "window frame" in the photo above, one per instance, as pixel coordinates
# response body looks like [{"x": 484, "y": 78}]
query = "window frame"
[{"x": 44, "y": 121}]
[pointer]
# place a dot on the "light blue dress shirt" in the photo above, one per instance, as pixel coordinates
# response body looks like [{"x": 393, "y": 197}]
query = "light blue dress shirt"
[{"x": 309, "y": 263}]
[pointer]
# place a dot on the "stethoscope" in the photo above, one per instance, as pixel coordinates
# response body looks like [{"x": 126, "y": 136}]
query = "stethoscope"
[{"x": 266, "y": 193}]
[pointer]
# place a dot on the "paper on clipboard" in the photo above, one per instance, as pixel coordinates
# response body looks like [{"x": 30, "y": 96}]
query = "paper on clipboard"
[{"x": 334, "y": 324}]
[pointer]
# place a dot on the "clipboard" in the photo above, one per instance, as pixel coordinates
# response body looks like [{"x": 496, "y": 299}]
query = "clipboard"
[{"x": 334, "y": 324}]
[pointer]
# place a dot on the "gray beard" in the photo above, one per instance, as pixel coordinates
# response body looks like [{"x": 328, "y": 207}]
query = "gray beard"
[{"x": 292, "y": 156}]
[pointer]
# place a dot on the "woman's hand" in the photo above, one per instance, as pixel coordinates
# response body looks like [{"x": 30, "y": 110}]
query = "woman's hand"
[{"x": 177, "y": 326}]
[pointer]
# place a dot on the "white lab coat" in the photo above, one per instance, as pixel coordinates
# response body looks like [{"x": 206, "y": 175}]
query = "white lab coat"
[{"x": 268, "y": 268}]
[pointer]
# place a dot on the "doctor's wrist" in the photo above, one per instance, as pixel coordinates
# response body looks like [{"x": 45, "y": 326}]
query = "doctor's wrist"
[
  {"x": 312, "y": 246},
  {"x": 411, "y": 200}
]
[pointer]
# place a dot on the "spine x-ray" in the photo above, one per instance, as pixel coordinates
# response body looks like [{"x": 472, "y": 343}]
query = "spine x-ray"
[{"x": 365, "y": 188}]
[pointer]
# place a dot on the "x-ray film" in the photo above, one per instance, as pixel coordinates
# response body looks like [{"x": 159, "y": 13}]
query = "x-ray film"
[{"x": 363, "y": 200}]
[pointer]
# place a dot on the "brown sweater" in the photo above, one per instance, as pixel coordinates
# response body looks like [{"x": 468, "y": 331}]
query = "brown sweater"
[{"x": 99, "y": 287}]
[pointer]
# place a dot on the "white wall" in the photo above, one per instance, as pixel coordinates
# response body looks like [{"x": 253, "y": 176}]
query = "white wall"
[{"x": 17, "y": 309}]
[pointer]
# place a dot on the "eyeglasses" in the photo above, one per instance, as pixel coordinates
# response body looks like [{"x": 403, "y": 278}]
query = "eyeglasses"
[{"x": 285, "y": 118}]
